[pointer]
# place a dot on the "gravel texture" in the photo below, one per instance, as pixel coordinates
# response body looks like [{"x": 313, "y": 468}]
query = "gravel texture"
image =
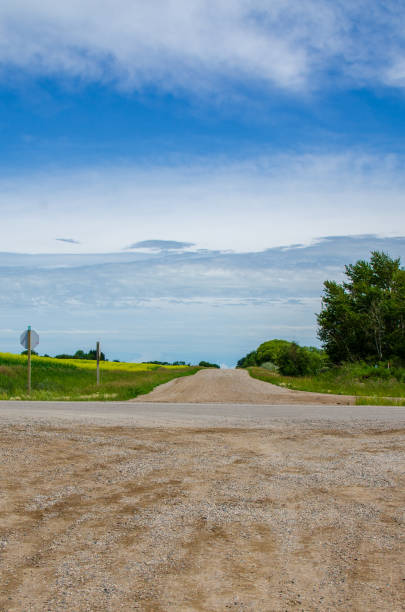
[
  {"x": 236, "y": 387},
  {"x": 296, "y": 515}
]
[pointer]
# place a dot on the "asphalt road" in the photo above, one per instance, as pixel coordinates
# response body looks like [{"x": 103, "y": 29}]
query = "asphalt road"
[{"x": 166, "y": 414}]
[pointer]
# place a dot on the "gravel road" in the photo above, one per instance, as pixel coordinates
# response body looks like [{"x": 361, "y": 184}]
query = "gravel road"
[{"x": 235, "y": 387}]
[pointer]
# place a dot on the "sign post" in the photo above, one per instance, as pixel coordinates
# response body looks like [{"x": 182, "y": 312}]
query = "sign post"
[
  {"x": 29, "y": 339},
  {"x": 29, "y": 357},
  {"x": 98, "y": 362}
]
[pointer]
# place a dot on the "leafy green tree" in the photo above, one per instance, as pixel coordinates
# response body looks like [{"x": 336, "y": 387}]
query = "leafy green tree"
[
  {"x": 364, "y": 317},
  {"x": 295, "y": 360},
  {"x": 270, "y": 351},
  {"x": 291, "y": 360}
]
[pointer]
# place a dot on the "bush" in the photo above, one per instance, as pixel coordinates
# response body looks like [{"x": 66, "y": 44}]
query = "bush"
[
  {"x": 248, "y": 361},
  {"x": 207, "y": 364},
  {"x": 286, "y": 357},
  {"x": 269, "y": 365},
  {"x": 270, "y": 351},
  {"x": 292, "y": 361}
]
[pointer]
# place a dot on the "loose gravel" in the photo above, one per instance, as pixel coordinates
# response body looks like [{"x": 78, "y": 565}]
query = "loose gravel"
[{"x": 291, "y": 516}]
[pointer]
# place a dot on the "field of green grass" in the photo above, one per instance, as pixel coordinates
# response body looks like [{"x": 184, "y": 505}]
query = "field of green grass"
[
  {"x": 75, "y": 379},
  {"x": 371, "y": 386}
]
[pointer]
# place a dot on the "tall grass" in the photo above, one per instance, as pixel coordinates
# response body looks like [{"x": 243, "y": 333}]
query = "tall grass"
[
  {"x": 367, "y": 383},
  {"x": 71, "y": 379}
]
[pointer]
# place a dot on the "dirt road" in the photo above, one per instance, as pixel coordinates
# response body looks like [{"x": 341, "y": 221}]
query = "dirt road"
[
  {"x": 234, "y": 386},
  {"x": 294, "y": 516}
]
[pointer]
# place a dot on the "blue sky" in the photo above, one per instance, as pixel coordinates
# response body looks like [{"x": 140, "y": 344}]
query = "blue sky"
[{"x": 237, "y": 126}]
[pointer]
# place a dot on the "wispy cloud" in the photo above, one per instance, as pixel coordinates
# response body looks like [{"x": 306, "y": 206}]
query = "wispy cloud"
[
  {"x": 68, "y": 240},
  {"x": 246, "y": 205},
  {"x": 161, "y": 245},
  {"x": 294, "y": 276},
  {"x": 199, "y": 46}
]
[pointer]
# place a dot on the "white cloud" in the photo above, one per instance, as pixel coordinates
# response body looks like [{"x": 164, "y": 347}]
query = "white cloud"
[
  {"x": 200, "y": 45},
  {"x": 243, "y": 206}
]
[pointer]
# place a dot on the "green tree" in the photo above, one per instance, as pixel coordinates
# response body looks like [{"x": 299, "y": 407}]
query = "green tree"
[
  {"x": 270, "y": 351},
  {"x": 249, "y": 360},
  {"x": 364, "y": 317},
  {"x": 295, "y": 360}
]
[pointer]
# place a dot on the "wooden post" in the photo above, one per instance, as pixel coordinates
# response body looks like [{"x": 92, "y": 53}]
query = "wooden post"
[
  {"x": 98, "y": 363},
  {"x": 29, "y": 358}
]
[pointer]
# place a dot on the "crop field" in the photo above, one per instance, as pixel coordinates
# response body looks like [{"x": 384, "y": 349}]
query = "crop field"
[
  {"x": 75, "y": 379},
  {"x": 87, "y": 364},
  {"x": 371, "y": 386}
]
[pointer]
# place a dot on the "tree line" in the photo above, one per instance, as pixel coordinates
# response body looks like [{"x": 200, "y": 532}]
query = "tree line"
[{"x": 361, "y": 319}]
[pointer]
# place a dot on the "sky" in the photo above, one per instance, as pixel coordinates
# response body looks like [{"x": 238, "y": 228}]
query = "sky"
[{"x": 159, "y": 160}]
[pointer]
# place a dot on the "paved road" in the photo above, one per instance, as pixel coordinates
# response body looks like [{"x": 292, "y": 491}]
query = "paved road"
[{"x": 166, "y": 414}]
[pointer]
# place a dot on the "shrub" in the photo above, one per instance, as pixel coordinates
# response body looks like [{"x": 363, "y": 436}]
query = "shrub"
[
  {"x": 286, "y": 357},
  {"x": 207, "y": 364}
]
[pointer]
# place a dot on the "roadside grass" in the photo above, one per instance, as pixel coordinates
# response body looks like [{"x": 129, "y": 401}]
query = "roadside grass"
[
  {"x": 344, "y": 380},
  {"x": 65, "y": 379}
]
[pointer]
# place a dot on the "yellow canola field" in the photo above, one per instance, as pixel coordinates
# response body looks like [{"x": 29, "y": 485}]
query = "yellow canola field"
[{"x": 87, "y": 364}]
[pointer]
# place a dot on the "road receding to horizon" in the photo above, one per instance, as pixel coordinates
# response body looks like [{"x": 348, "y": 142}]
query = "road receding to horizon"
[{"x": 226, "y": 386}]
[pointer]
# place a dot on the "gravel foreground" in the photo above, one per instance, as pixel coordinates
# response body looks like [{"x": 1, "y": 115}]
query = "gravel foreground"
[{"x": 291, "y": 516}]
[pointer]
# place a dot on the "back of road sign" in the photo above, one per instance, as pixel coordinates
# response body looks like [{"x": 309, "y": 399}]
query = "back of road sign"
[{"x": 34, "y": 339}]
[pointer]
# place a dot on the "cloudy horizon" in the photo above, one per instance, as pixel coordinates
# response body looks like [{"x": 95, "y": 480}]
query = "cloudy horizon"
[{"x": 166, "y": 301}]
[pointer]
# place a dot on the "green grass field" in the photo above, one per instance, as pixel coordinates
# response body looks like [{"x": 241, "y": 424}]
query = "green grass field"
[
  {"x": 344, "y": 380},
  {"x": 75, "y": 379}
]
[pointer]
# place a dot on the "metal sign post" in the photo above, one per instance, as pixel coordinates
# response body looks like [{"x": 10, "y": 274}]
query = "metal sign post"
[
  {"x": 98, "y": 362},
  {"x": 29, "y": 339}
]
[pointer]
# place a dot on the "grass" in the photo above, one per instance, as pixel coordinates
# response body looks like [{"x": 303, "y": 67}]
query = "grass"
[
  {"x": 70, "y": 379},
  {"x": 349, "y": 379}
]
